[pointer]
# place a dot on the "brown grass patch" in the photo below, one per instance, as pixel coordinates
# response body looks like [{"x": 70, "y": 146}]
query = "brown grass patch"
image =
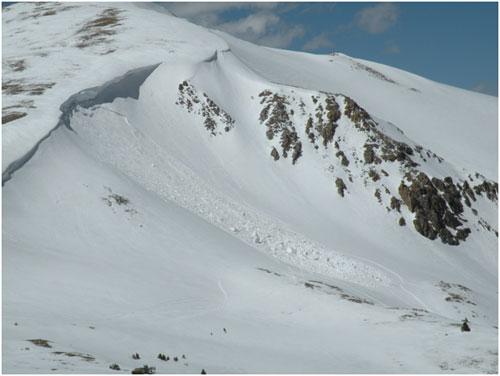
[
  {"x": 14, "y": 87},
  {"x": 100, "y": 29},
  {"x": 86, "y": 357},
  {"x": 7, "y": 118}
]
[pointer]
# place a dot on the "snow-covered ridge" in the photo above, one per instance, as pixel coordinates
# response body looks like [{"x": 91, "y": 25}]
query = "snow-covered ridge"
[
  {"x": 121, "y": 87},
  {"x": 426, "y": 111},
  {"x": 365, "y": 149},
  {"x": 37, "y": 78}
]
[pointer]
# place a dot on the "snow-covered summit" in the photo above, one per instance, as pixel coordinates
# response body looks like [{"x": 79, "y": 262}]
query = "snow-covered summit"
[{"x": 163, "y": 181}]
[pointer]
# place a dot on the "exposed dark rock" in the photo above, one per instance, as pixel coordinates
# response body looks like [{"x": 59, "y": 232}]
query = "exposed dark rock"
[
  {"x": 467, "y": 201},
  {"x": 369, "y": 154},
  {"x": 210, "y": 124},
  {"x": 277, "y": 119},
  {"x": 328, "y": 132},
  {"x": 275, "y": 154},
  {"x": 341, "y": 187},
  {"x": 395, "y": 204},
  {"x": 467, "y": 191},
  {"x": 355, "y": 112},
  {"x": 40, "y": 342},
  {"x": 297, "y": 152},
  {"x": 343, "y": 159},
  {"x": 465, "y": 326},
  {"x": 265, "y": 93},
  {"x": 162, "y": 357},
  {"x": 309, "y": 128},
  {"x": 373, "y": 175},
  {"x": 145, "y": 370},
  {"x": 431, "y": 201},
  {"x": 203, "y": 105},
  {"x": 333, "y": 109},
  {"x": 488, "y": 188},
  {"x": 309, "y": 285},
  {"x": 396, "y": 151},
  {"x": 463, "y": 233}
]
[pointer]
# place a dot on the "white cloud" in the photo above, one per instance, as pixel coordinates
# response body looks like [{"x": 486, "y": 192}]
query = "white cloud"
[
  {"x": 188, "y": 9},
  {"x": 378, "y": 18},
  {"x": 256, "y": 24},
  {"x": 262, "y": 26},
  {"x": 283, "y": 37},
  {"x": 319, "y": 41}
]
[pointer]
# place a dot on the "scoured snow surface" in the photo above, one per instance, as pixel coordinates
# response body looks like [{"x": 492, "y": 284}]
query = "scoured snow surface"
[{"x": 142, "y": 159}]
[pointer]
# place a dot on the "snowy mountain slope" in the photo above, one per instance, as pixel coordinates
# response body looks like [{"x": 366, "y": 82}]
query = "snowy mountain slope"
[
  {"x": 428, "y": 112},
  {"x": 98, "y": 45},
  {"x": 148, "y": 223}
]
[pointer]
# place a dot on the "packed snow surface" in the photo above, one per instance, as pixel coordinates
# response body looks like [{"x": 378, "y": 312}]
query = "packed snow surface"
[{"x": 146, "y": 210}]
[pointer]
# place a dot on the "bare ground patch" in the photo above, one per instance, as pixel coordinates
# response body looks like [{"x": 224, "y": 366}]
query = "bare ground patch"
[
  {"x": 86, "y": 357},
  {"x": 17, "y": 65},
  {"x": 11, "y": 116},
  {"x": 335, "y": 290},
  {"x": 14, "y": 112},
  {"x": 457, "y": 293},
  {"x": 99, "y": 29},
  {"x": 374, "y": 73},
  {"x": 40, "y": 342},
  {"x": 47, "y": 9},
  {"x": 15, "y": 87}
]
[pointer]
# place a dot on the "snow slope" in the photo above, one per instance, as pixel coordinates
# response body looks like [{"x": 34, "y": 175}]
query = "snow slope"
[
  {"x": 154, "y": 219},
  {"x": 428, "y": 112}
]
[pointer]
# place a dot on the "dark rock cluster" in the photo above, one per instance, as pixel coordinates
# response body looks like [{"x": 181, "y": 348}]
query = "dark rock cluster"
[
  {"x": 213, "y": 115},
  {"x": 356, "y": 113},
  {"x": 437, "y": 207},
  {"x": 381, "y": 147},
  {"x": 438, "y": 204},
  {"x": 325, "y": 125},
  {"x": 490, "y": 189},
  {"x": 343, "y": 159},
  {"x": 277, "y": 119},
  {"x": 341, "y": 187},
  {"x": 369, "y": 154}
]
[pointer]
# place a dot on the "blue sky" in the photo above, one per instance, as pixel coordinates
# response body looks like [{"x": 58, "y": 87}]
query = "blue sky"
[{"x": 453, "y": 43}]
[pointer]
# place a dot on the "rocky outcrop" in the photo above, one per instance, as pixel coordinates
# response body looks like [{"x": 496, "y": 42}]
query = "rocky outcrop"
[
  {"x": 277, "y": 118},
  {"x": 341, "y": 187},
  {"x": 437, "y": 207},
  {"x": 215, "y": 119},
  {"x": 490, "y": 189},
  {"x": 438, "y": 204},
  {"x": 275, "y": 154}
]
